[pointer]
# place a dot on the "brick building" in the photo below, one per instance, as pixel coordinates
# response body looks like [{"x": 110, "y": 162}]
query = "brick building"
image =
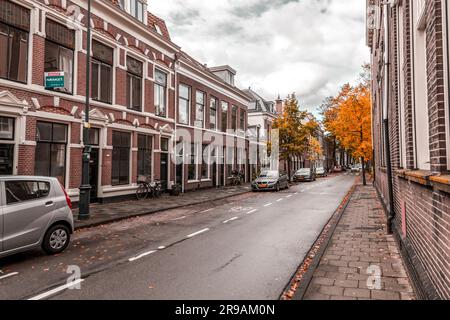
[
  {"x": 409, "y": 42},
  {"x": 139, "y": 79}
]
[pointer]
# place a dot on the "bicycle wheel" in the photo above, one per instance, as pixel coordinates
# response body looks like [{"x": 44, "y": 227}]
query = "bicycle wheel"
[{"x": 142, "y": 192}]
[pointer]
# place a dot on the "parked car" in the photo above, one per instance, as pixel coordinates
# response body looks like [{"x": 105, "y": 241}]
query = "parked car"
[
  {"x": 338, "y": 169},
  {"x": 321, "y": 172},
  {"x": 356, "y": 168},
  {"x": 34, "y": 212},
  {"x": 305, "y": 174},
  {"x": 271, "y": 180}
]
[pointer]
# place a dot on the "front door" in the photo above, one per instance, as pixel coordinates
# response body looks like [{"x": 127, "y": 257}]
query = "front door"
[
  {"x": 164, "y": 170},
  {"x": 6, "y": 159},
  {"x": 93, "y": 174}
]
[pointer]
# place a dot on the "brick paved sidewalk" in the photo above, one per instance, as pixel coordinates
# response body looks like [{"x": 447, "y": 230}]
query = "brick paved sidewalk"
[
  {"x": 104, "y": 213},
  {"x": 358, "y": 243}
]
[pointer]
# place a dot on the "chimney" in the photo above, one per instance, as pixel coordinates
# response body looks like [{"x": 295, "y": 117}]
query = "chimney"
[{"x": 279, "y": 105}]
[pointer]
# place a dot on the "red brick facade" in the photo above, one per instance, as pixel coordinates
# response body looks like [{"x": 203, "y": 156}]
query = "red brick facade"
[
  {"x": 421, "y": 192},
  {"x": 30, "y": 102}
]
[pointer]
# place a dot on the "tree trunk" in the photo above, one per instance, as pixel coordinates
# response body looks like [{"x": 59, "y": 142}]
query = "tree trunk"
[{"x": 363, "y": 171}]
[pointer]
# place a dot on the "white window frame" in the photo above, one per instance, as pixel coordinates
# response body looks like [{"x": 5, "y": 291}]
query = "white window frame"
[
  {"x": 446, "y": 45},
  {"x": 189, "y": 104},
  {"x": 420, "y": 92}
]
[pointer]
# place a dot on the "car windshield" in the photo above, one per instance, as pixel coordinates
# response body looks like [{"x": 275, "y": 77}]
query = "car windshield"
[
  {"x": 269, "y": 174},
  {"x": 305, "y": 170}
]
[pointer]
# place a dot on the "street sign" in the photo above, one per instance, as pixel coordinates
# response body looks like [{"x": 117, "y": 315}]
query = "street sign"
[{"x": 54, "y": 79}]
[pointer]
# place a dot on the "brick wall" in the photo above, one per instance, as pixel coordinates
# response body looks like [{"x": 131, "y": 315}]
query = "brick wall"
[{"x": 422, "y": 210}]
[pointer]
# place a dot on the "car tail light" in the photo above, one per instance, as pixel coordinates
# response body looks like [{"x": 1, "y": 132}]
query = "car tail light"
[{"x": 69, "y": 202}]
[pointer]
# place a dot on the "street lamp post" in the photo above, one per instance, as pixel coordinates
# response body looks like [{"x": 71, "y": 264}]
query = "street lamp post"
[{"x": 85, "y": 188}]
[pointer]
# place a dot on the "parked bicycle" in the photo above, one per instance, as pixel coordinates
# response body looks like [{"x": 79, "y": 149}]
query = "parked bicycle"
[
  {"x": 147, "y": 188},
  {"x": 237, "y": 178}
]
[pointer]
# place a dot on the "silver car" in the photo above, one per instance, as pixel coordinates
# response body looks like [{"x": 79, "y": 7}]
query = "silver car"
[{"x": 34, "y": 212}]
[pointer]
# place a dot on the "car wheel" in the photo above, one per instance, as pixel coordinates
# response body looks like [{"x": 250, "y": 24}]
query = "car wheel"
[
  {"x": 56, "y": 239},
  {"x": 278, "y": 187}
]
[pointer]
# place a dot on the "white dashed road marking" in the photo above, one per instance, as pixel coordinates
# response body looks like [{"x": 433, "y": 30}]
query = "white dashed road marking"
[
  {"x": 268, "y": 204},
  {"x": 12, "y": 274},
  {"x": 252, "y": 211},
  {"x": 141, "y": 255},
  {"x": 229, "y": 220},
  {"x": 197, "y": 233},
  {"x": 281, "y": 199},
  {"x": 56, "y": 290}
]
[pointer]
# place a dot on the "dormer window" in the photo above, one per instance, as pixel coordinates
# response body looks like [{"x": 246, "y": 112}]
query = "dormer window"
[
  {"x": 137, "y": 8},
  {"x": 158, "y": 29}
]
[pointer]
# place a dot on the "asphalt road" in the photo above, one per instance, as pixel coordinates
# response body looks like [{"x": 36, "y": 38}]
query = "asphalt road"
[{"x": 247, "y": 247}]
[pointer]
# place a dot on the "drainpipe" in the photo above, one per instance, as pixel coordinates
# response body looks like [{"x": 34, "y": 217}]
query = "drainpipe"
[{"x": 391, "y": 210}]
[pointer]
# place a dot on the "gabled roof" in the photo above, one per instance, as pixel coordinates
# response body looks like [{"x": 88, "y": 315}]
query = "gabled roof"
[{"x": 258, "y": 103}]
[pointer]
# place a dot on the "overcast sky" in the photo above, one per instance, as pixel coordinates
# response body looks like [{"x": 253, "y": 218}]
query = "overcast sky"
[{"x": 310, "y": 47}]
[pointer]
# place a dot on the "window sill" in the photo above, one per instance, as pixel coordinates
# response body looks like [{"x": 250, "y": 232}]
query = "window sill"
[
  {"x": 206, "y": 180},
  {"x": 426, "y": 178},
  {"x": 193, "y": 181}
]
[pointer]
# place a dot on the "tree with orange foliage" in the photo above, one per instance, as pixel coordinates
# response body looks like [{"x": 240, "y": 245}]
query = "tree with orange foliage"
[
  {"x": 348, "y": 118},
  {"x": 292, "y": 131}
]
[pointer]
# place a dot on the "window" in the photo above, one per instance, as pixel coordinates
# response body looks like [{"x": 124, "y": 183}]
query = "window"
[
  {"x": 102, "y": 66},
  {"x": 205, "y": 161},
  {"x": 199, "y": 109},
  {"x": 138, "y": 9},
  {"x": 134, "y": 84},
  {"x": 51, "y": 144},
  {"x": 144, "y": 155},
  {"x": 59, "y": 53},
  {"x": 14, "y": 31},
  {"x": 233, "y": 118},
  {"x": 164, "y": 145},
  {"x": 230, "y": 160},
  {"x": 421, "y": 91},
  {"x": 94, "y": 137},
  {"x": 242, "y": 120},
  {"x": 158, "y": 29},
  {"x": 224, "y": 116},
  {"x": 192, "y": 166},
  {"x": 6, "y": 128},
  {"x": 213, "y": 113},
  {"x": 160, "y": 93},
  {"x": 184, "y": 104},
  {"x": 20, "y": 191},
  {"x": 121, "y": 158}
]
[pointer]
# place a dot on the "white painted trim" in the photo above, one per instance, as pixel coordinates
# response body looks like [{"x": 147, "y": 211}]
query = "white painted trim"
[
  {"x": 446, "y": 40},
  {"x": 184, "y": 71}
]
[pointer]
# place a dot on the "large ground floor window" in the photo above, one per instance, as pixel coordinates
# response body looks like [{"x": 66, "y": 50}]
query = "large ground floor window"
[
  {"x": 51, "y": 145},
  {"x": 120, "y": 173},
  {"x": 144, "y": 155}
]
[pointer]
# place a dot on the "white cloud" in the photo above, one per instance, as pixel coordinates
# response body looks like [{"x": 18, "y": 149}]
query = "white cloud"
[{"x": 310, "y": 47}]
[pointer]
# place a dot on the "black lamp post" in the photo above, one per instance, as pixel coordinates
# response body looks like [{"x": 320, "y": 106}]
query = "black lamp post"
[{"x": 85, "y": 188}]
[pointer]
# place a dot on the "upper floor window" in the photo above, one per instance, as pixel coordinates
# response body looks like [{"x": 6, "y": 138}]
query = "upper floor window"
[
  {"x": 134, "y": 84},
  {"x": 234, "y": 118},
  {"x": 102, "y": 66},
  {"x": 224, "y": 116},
  {"x": 14, "y": 32},
  {"x": 136, "y": 8},
  {"x": 160, "y": 93},
  {"x": 6, "y": 128},
  {"x": 59, "y": 52},
  {"x": 242, "y": 120},
  {"x": 213, "y": 113},
  {"x": 184, "y": 104},
  {"x": 199, "y": 109}
]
